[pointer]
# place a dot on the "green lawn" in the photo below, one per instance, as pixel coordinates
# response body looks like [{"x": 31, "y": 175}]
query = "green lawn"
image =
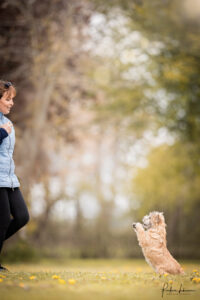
[{"x": 94, "y": 279}]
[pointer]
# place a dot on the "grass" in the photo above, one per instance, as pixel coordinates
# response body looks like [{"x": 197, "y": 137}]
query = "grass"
[{"x": 94, "y": 280}]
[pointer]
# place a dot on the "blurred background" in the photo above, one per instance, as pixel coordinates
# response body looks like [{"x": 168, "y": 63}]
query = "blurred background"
[{"x": 107, "y": 119}]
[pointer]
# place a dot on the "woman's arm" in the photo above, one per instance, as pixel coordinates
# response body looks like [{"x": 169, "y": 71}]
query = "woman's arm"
[
  {"x": 3, "y": 134},
  {"x": 5, "y": 130}
]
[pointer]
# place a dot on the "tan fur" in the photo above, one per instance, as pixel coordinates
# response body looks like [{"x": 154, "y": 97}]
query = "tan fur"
[{"x": 154, "y": 245}]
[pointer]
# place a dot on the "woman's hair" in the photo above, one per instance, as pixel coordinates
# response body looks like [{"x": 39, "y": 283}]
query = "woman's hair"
[{"x": 7, "y": 87}]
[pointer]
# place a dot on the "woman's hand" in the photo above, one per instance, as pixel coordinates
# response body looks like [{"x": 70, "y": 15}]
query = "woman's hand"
[{"x": 8, "y": 127}]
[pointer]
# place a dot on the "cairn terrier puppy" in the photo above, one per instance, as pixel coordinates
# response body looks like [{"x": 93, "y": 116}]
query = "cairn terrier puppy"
[{"x": 151, "y": 235}]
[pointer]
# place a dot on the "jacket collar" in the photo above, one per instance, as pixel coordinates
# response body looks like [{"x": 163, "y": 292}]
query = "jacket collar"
[{"x": 1, "y": 115}]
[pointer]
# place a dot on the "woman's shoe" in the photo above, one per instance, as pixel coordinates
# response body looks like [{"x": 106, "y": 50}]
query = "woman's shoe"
[{"x": 3, "y": 268}]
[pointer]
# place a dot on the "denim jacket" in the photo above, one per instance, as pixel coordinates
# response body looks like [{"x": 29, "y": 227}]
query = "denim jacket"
[{"x": 7, "y": 166}]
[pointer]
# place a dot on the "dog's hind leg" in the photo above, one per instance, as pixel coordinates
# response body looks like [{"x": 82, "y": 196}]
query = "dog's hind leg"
[{"x": 161, "y": 271}]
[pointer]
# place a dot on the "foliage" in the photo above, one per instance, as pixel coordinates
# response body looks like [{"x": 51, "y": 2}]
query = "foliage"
[
  {"x": 170, "y": 179},
  {"x": 21, "y": 251},
  {"x": 176, "y": 65}
]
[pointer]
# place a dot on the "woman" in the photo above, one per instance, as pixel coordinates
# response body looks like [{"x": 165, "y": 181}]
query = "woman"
[{"x": 11, "y": 199}]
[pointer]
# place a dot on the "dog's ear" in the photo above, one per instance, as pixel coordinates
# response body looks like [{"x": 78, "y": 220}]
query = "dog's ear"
[{"x": 160, "y": 218}]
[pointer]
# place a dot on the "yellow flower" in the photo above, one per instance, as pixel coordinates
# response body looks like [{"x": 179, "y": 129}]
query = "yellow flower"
[
  {"x": 55, "y": 277},
  {"x": 196, "y": 279},
  {"x": 139, "y": 270},
  {"x": 21, "y": 284},
  {"x": 170, "y": 281},
  {"x": 1, "y": 279},
  {"x": 61, "y": 281},
  {"x": 32, "y": 277},
  {"x": 72, "y": 281},
  {"x": 103, "y": 278},
  {"x": 195, "y": 271},
  {"x": 166, "y": 274},
  {"x": 2, "y": 276}
]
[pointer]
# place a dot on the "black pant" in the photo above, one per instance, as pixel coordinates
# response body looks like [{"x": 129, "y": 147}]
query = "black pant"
[{"x": 11, "y": 203}]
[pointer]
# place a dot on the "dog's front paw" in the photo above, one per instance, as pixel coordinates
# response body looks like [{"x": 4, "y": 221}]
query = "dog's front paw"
[
  {"x": 134, "y": 225},
  {"x": 137, "y": 226}
]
